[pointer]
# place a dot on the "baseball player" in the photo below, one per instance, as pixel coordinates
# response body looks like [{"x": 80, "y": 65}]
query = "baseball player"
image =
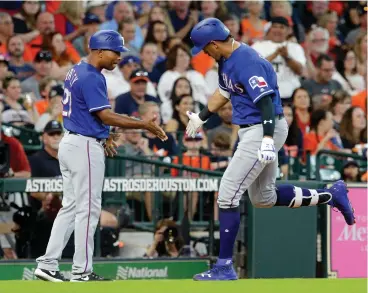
[
  {"x": 87, "y": 116},
  {"x": 250, "y": 83}
]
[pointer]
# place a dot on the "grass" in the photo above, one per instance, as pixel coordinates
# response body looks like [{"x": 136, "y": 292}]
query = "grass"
[{"x": 189, "y": 286}]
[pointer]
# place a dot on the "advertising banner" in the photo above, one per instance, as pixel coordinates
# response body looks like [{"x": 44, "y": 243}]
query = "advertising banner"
[
  {"x": 347, "y": 245},
  {"x": 117, "y": 270}
]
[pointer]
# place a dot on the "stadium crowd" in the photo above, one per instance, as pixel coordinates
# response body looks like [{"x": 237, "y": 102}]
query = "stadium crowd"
[{"x": 318, "y": 50}]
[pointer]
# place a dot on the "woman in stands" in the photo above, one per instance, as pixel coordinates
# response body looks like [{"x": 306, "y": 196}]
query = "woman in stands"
[
  {"x": 322, "y": 135},
  {"x": 157, "y": 13},
  {"x": 303, "y": 107},
  {"x": 62, "y": 60},
  {"x": 360, "y": 49},
  {"x": 353, "y": 129},
  {"x": 341, "y": 102},
  {"x": 158, "y": 33},
  {"x": 181, "y": 87},
  {"x": 25, "y": 20},
  {"x": 18, "y": 110},
  {"x": 347, "y": 73}
]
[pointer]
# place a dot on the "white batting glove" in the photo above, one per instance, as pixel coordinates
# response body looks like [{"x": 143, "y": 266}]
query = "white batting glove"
[
  {"x": 194, "y": 124},
  {"x": 267, "y": 153}
]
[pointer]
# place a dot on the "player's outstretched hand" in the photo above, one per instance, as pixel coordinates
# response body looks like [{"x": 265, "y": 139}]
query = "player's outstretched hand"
[
  {"x": 111, "y": 145},
  {"x": 267, "y": 153},
  {"x": 194, "y": 124},
  {"x": 155, "y": 129}
]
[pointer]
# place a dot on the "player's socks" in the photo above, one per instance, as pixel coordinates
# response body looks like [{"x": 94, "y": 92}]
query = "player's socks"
[
  {"x": 294, "y": 197},
  {"x": 229, "y": 226}
]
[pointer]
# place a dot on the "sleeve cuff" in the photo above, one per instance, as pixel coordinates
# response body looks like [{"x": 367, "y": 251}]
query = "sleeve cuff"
[
  {"x": 224, "y": 93},
  {"x": 261, "y": 95},
  {"x": 99, "y": 108}
]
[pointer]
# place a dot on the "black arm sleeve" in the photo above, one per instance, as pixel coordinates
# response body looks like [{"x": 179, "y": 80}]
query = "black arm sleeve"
[{"x": 268, "y": 115}]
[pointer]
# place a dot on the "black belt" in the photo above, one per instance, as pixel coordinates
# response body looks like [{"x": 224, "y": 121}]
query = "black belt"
[
  {"x": 99, "y": 140},
  {"x": 249, "y": 125}
]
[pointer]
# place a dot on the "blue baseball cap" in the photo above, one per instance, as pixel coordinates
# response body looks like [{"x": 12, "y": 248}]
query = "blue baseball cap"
[{"x": 129, "y": 59}]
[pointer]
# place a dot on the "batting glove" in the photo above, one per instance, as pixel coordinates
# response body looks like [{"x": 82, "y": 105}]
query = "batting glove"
[
  {"x": 194, "y": 124},
  {"x": 267, "y": 153}
]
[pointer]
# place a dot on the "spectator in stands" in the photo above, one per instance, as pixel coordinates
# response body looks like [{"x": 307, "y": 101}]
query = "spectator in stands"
[
  {"x": 17, "y": 111},
  {"x": 221, "y": 151},
  {"x": 45, "y": 163},
  {"x": 127, "y": 30},
  {"x": 183, "y": 19},
  {"x": 226, "y": 126},
  {"x": 43, "y": 66},
  {"x": 347, "y": 73},
  {"x": 287, "y": 59},
  {"x": 96, "y": 8},
  {"x": 179, "y": 119},
  {"x": 360, "y": 49},
  {"x": 303, "y": 106},
  {"x": 253, "y": 25},
  {"x": 322, "y": 135},
  {"x": 178, "y": 64},
  {"x": 350, "y": 172},
  {"x": 322, "y": 85},
  {"x": 352, "y": 37},
  {"x": 353, "y": 128},
  {"x": 129, "y": 102},
  {"x": 233, "y": 24},
  {"x": 181, "y": 87},
  {"x": 54, "y": 109},
  {"x": 294, "y": 141},
  {"x": 316, "y": 43},
  {"x": 192, "y": 158},
  {"x": 157, "y": 13},
  {"x": 91, "y": 22},
  {"x": 45, "y": 86},
  {"x": 25, "y": 20},
  {"x": 46, "y": 25},
  {"x": 341, "y": 102},
  {"x": 6, "y": 31},
  {"x": 162, "y": 247},
  {"x": 148, "y": 111},
  {"x": 215, "y": 9},
  {"x": 4, "y": 71},
  {"x": 123, "y": 10},
  {"x": 17, "y": 64},
  {"x": 69, "y": 19},
  {"x": 329, "y": 21},
  {"x": 238, "y": 8},
  {"x": 136, "y": 145},
  {"x": 18, "y": 168},
  {"x": 318, "y": 9},
  {"x": 157, "y": 32},
  {"x": 149, "y": 54},
  {"x": 117, "y": 80}
]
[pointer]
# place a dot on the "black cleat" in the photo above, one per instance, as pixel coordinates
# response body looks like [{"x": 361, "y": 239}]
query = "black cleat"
[
  {"x": 51, "y": 276},
  {"x": 90, "y": 278}
]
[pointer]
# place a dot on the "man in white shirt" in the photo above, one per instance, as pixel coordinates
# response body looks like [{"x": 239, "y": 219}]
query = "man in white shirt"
[
  {"x": 117, "y": 80},
  {"x": 287, "y": 58}
]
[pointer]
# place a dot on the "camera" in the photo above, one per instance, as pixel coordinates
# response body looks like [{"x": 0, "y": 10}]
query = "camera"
[{"x": 171, "y": 234}]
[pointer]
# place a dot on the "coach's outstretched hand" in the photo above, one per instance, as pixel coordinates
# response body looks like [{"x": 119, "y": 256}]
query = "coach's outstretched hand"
[
  {"x": 111, "y": 145},
  {"x": 155, "y": 129},
  {"x": 194, "y": 124},
  {"x": 267, "y": 153}
]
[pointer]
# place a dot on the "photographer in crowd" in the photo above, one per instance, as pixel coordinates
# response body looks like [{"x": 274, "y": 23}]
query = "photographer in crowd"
[{"x": 167, "y": 240}]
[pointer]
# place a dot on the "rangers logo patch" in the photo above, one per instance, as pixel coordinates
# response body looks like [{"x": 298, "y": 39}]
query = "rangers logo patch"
[{"x": 257, "y": 81}]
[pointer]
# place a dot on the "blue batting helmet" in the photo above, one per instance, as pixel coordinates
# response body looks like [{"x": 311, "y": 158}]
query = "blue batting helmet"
[
  {"x": 107, "y": 40},
  {"x": 209, "y": 29}
]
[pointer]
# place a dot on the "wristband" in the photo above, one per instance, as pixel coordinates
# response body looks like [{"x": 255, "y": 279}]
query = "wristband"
[{"x": 205, "y": 114}]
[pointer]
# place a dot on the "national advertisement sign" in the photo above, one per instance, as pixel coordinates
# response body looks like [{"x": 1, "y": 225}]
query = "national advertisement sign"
[
  {"x": 116, "y": 270},
  {"x": 347, "y": 246}
]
